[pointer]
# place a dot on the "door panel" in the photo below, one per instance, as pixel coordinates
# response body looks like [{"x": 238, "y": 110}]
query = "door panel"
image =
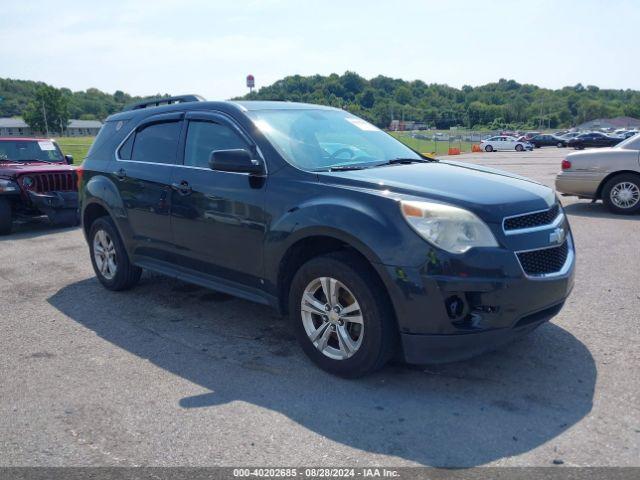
[
  {"x": 143, "y": 173},
  {"x": 218, "y": 222}
]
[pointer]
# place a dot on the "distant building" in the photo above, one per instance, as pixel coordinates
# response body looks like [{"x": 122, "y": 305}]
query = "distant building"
[
  {"x": 613, "y": 123},
  {"x": 16, "y": 127},
  {"x": 83, "y": 128}
]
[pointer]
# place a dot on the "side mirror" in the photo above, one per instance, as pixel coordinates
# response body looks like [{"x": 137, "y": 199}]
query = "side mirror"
[
  {"x": 69, "y": 159},
  {"x": 237, "y": 160}
]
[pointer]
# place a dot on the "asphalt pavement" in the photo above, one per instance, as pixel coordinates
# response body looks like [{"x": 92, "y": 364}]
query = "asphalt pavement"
[{"x": 173, "y": 374}]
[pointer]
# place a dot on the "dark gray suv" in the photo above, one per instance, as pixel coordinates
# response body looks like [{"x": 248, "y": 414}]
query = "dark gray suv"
[{"x": 372, "y": 250}]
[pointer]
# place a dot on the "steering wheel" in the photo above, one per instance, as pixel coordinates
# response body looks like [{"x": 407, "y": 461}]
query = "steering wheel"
[{"x": 335, "y": 154}]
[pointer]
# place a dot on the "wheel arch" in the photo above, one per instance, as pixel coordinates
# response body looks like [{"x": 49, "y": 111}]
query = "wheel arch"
[
  {"x": 604, "y": 181},
  {"x": 313, "y": 243}
]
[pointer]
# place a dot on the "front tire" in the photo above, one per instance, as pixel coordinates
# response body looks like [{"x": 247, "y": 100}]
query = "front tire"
[
  {"x": 109, "y": 257},
  {"x": 621, "y": 194},
  {"x": 519, "y": 148},
  {"x": 6, "y": 217},
  {"x": 488, "y": 148},
  {"x": 342, "y": 316}
]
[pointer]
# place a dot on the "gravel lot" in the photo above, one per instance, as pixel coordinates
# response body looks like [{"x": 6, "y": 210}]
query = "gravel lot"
[{"x": 172, "y": 374}]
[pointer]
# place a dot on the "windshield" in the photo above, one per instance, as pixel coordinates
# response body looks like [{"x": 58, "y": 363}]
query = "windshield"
[
  {"x": 30, "y": 150},
  {"x": 631, "y": 143},
  {"x": 321, "y": 139}
]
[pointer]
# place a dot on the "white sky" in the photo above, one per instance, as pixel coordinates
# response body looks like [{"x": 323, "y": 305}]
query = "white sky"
[{"x": 208, "y": 47}]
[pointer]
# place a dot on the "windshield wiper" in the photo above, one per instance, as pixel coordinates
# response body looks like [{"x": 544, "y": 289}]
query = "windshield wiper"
[
  {"x": 395, "y": 161},
  {"x": 345, "y": 168}
]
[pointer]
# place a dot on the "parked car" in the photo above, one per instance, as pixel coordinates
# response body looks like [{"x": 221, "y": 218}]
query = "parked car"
[
  {"x": 570, "y": 135},
  {"x": 372, "y": 249},
  {"x": 548, "y": 140},
  {"x": 504, "y": 142},
  {"x": 609, "y": 174},
  {"x": 627, "y": 134},
  {"x": 530, "y": 135},
  {"x": 593, "y": 139},
  {"x": 35, "y": 180}
]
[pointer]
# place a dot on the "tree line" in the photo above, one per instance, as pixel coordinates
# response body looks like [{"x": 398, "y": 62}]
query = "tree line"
[
  {"x": 503, "y": 104},
  {"x": 43, "y": 106}
]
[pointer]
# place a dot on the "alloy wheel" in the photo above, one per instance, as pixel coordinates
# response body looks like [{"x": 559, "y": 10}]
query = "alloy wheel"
[
  {"x": 104, "y": 254},
  {"x": 625, "y": 195},
  {"x": 332, "y": 318}
]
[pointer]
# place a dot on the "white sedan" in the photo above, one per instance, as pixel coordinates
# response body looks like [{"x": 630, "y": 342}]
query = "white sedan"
[{"x": 504, "y": 142}]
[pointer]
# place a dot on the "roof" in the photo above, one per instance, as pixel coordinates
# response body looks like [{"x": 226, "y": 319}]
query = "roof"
[
  {"x": 15, "y": 122},
  {"x": 84, "y": 124},
  {"x": 224, "y": 106},
  {"x": 18, "y": 122},
  {"x": 24, "y": 139},
  {"x": 275, "y": 105},
  {"x": 616, "y": 122}
]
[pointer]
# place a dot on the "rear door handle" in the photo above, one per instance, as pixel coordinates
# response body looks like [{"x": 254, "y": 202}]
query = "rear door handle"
[
  {"x": 183, "y": 188},
  {"x": 120, "y": 174}
]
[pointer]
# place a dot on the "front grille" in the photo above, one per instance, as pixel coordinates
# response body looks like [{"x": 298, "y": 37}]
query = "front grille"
[
  {"x": 50, "y": 182},
  {"x": 544, "y": 261},
  {"x": 530, "y": 220}
]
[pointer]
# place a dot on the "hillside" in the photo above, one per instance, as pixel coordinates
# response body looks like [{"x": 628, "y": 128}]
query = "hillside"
[
  {"x": 505, "y": 103},
  {"x": 88, "y": 105}
]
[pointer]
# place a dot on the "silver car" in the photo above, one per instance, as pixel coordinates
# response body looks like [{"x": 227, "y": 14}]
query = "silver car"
[{"x": 611, "y": 174}]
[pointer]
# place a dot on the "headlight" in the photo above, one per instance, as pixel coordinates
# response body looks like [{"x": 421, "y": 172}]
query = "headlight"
[
  {"x": 7, "y": 186},
  {"x": 451, "y": 228}
]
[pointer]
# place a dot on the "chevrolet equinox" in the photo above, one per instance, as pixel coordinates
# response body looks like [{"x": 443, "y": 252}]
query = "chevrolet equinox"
[{"x": 373, "y": 250}]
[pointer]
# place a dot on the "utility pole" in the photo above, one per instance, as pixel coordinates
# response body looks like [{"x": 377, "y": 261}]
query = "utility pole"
[{"x": 44, "y": 113}]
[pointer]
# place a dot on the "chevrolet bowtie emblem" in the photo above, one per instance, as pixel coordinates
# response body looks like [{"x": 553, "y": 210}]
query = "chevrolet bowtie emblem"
[{"x": 557, "y": 236}]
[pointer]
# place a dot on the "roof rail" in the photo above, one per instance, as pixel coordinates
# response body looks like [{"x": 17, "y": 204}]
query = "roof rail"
[{"x": 155, "y": 102}]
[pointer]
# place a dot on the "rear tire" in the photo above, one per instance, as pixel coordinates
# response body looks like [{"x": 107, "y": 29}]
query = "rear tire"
[
  {"x": 374, "y": 335},
  {"x": 488, "y": 148},
  {"x": 109, "y": 257},
  {"x": 6, "y": 217},
  {"x": 621, "y": 194}
]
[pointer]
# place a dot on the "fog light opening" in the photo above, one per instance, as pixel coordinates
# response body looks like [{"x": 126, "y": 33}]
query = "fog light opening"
[{"x": 455, "y": 307}]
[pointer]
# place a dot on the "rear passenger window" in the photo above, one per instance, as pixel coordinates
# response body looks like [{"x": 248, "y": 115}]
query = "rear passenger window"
[
  {"x": 204, "y": 137},
  {"x": 156, "y": 143},
  {"x": 125, "y": 150}
]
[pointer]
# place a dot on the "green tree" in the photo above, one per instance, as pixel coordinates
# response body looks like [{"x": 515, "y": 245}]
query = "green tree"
[
  {"x": 368, "y": 97},
  {"x": 48, "y": 111}
]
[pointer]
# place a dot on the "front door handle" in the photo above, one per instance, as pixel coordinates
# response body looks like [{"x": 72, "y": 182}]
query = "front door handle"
[
  {"x": 183, "y": 188},
  {"x": 120, "y": 174}
]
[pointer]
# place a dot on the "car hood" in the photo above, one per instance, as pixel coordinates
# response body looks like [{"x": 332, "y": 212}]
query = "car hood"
[
  {"x": 11, "y": 169},
  {"x": 491, "y": 194}
]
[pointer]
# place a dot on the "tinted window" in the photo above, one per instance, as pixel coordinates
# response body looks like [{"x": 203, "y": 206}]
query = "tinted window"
[
  {"x": 125, "y": 150},
  {"x": 157, "y": 143},
  {"x": 205, "y": 137}
]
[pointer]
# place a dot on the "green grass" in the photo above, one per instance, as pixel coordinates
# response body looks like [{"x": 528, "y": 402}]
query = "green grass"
[
  {"x": 79, "y": 146},
  {"x": 431, "y": 146},
  {"x": 76, "y": 146}
]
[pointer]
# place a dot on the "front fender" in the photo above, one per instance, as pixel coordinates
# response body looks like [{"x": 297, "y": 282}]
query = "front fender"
[{"x": 374, "y": 227}]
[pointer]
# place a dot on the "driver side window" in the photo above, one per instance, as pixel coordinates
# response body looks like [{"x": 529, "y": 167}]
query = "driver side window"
[{"x": 203, "y": 137}]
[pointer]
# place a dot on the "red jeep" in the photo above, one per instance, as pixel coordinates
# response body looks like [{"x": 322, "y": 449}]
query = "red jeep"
[{"x": 36, "y": 179}]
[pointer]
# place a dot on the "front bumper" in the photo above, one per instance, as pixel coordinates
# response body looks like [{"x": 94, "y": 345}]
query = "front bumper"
[
  {"x": 454, "y": 312},
  {"x": 59, "y": 207},
  {"x": 424, "y": 349}
]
